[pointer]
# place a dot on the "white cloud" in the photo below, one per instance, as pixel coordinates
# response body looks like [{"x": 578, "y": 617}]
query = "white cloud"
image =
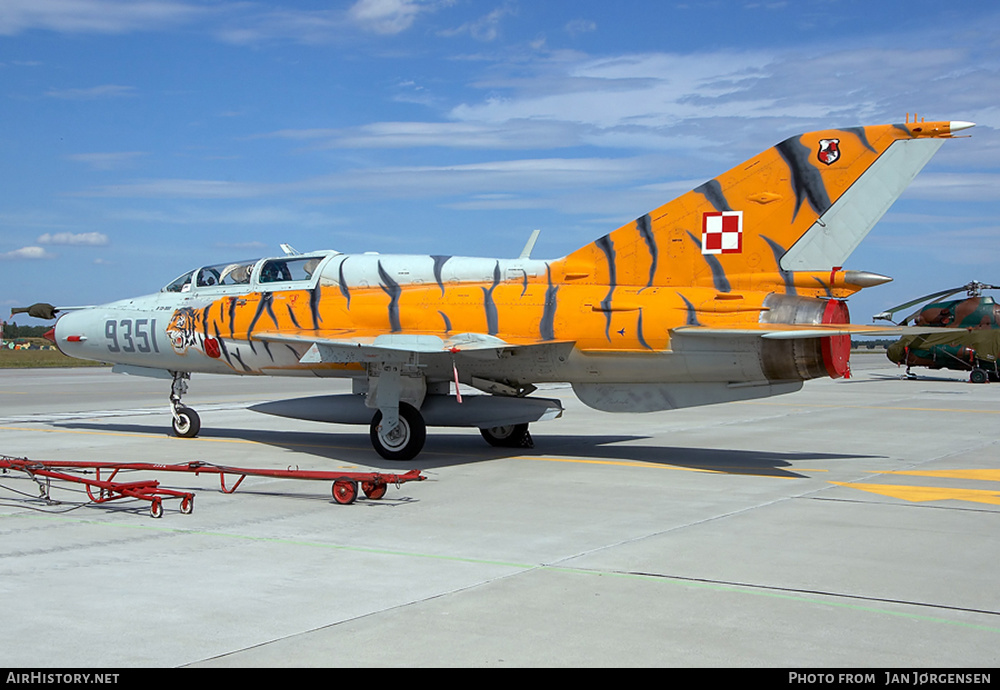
[
  {"x": 90, "y": 239},
  {"x": 106, "y": 161},
  {"x": 487, "y": 27},
  {"x": 576, "y": 27},
  {"x": 183, "y": 189},
  {"x": 387, "y": 16},
  {"x": 90, "y": 94},
  {"x": 528, "y": 176},
  {"x": 26, "y": 253},
  {"x": 302, "y": 26},
  {"x": 461, "y": 135},
  {"x": 94, "y": 16}
]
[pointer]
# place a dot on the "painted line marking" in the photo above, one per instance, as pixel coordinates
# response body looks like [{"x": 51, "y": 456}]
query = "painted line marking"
[
  {"x": 833, "y": 599},
  {"x": 923, "y": 494},
  {"x": 871, "y": 407}
]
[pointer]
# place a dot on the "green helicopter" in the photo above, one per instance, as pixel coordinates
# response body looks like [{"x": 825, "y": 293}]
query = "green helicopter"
[{"x": 969, "y": 339}]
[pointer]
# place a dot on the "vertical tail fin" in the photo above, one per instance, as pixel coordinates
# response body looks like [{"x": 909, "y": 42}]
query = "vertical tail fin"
[{"x": 801, "y": 206}]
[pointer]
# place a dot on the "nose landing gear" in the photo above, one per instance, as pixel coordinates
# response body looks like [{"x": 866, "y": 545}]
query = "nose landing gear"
[{"x": 186, "y": 423}]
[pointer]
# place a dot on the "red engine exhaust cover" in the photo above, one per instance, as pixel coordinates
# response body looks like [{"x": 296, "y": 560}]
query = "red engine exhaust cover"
[{"x": 837, "y": 349}]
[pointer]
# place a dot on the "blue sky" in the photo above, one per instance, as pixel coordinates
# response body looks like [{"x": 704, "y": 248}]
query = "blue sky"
[{"x": 142, "y": 138}]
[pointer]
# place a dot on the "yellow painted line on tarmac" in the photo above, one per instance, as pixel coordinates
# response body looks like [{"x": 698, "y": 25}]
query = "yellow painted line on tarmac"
[
  {"x": 618, "y": 463},
  {"x": 168, "y": 437},
  {"x": 872, "y": 407},
  {"x": 74, "y": 431},
  {"x": 727, "y": 469},
  {"x": 979, "y": 475},
  {"x": 923, "y": 494}
]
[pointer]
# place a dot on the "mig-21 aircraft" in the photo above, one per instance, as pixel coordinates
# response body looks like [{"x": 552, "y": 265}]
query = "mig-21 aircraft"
[{"x": 732, "y": 291}]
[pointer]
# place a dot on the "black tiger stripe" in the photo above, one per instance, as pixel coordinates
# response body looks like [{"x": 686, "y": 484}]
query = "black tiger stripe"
[
  {"x": 391, "y": 288},
  {"x": 447, "y": 322},
  {"x": 492, "y": 318},
  {"x": 712, "y": 191},
  {"x": 546, "y": 327},
  {"x": 222, "y": 345},
  {"x": 692, "y": 313},
  {"x": 314, "y": 299},
  {"x": 638, "y": 330},
  {"x": 787, "y": 276},
  {"x": 344, "y": 290},
  {"x": 606, "y": 245},
  {"x": 439, "y": 262},
  {"x": 807, "y": 182},
  {"x": 291, "y": 314},
  {"x": 719, "y": 278},
  {"x": 645, "y": 227}
]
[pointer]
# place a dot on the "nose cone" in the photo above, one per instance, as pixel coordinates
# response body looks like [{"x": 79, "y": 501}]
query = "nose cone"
[
  {"x": 70, "y": 334},
  {"x": 50, "y": 335}
]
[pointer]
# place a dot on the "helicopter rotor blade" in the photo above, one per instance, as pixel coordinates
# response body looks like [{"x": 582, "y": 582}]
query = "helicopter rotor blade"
[
  {"x": 975, "y": 288},
  {"x": 887, "y": 314}
]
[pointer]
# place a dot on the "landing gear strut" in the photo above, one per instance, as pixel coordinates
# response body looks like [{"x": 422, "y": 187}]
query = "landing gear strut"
[{"x": 186, "y": 423}]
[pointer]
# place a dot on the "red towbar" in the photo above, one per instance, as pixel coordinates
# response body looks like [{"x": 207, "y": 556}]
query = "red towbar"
[{"x": 345, "y": 484}]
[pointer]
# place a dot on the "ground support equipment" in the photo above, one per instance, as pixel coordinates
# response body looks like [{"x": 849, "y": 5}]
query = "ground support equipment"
[
  {"x": 100, "y": 490},
  {"x": 345, "y": 484}
]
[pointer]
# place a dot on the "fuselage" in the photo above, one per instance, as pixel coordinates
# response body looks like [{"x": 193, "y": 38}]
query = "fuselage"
[{"x": 211, "y": 320}]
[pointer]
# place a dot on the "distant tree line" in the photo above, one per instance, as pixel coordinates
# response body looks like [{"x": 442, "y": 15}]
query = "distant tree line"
[
  {"x": 12, "y": 331},
  {"x": 872, "y": 344}
]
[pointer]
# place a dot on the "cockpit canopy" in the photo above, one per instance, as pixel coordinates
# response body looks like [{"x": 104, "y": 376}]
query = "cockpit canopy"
[
  {"x": 289, "y": 269},
  {"x": 237, "y": 273}
]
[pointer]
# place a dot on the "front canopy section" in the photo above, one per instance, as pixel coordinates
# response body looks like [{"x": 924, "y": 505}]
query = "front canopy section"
[
  {"x": 268, "y": 273},
  {"x": 230, "y": 273}
]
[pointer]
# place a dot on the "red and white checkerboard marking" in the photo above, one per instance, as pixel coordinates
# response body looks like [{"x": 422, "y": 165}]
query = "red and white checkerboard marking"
[{"x": 722, "y": 232}]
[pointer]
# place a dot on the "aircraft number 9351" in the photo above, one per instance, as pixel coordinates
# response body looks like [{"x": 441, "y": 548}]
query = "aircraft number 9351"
[{"x": 127, "y": 335}]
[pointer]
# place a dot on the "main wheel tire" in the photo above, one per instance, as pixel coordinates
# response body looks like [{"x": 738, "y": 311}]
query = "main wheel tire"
[
  {"x": 979, "y": 376},
  {"x": 509, "y": 436},
  {"x": 403, "y": 442},
  {"x": 186, "y": 424}
]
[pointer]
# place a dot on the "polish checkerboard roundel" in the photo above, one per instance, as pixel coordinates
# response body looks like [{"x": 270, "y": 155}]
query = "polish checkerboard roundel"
[{"x": 722, "y": 232}]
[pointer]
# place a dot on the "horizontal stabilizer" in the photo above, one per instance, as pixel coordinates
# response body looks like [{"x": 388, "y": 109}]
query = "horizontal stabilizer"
[{"x": 792, "y": 332}]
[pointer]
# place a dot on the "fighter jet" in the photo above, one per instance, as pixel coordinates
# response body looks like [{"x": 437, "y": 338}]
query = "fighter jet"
[{"x": 733, "y": 291}]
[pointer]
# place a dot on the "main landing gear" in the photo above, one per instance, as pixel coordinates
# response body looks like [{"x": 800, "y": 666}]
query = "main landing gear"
[
  {"x": 510, "y": 436},
  {"x": 405, "y": 440},
  {"x": 398, "y": 439},
  {"x": 186, "y": 423}
]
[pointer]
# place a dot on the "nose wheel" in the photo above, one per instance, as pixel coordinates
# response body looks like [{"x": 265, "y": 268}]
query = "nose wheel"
[{"x": 186, "y": 423}]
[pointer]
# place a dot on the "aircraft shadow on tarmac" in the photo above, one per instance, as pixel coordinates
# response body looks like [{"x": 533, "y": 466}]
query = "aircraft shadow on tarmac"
[
  {"x": 881, "y": 378},
  {"x": 449, "y": 449}
]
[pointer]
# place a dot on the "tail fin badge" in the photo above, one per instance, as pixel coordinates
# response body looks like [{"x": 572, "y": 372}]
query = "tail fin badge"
[
  {"x": 829, "y": 151},
  {"x": 722, "y": 232}
]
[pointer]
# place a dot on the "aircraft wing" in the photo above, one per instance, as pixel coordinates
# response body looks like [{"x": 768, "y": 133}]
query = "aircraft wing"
[{"x": 355, "y": 346}]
